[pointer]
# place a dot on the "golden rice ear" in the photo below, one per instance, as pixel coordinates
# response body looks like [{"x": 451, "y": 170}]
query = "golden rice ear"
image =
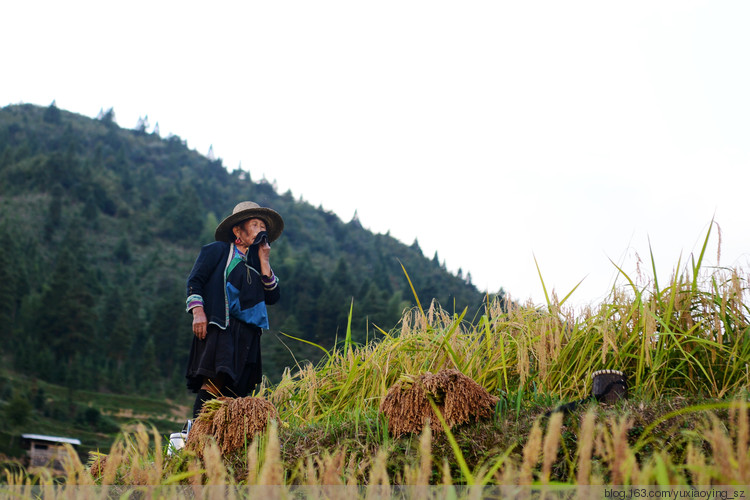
[
  {"x": 245, "y": 418},
  {"x": 531, "y": 452},
  {"x": 586, "y": 447},
  {"x": 458, "y": 398},
  {"x": 272, "y": 471},
  {"x": 550, "y": 445},
  {"x": 405, "y": 406},
  {"x": 200, "y": 432},
  {"x": 231, "y": 423}
]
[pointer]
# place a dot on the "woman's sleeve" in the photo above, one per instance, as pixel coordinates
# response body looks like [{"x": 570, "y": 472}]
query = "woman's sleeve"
[
  {"x": 271, "y": 288},
  {"x": 208, "y": 259}
]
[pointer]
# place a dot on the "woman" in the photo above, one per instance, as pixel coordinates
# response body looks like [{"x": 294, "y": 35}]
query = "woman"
[{"x": 227, "y": 292}]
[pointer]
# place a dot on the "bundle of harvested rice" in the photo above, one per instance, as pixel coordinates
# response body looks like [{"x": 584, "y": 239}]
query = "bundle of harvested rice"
[
  {"x": 457, "y": 397},
  {"x": 231, "y": 422}
]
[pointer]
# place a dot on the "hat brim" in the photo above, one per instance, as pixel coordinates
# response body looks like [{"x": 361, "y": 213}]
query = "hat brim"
[{"x": 274, "y": 223}]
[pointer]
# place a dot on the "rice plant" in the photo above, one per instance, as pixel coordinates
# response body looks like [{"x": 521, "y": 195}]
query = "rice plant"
[{"x": 690, "y": 336}]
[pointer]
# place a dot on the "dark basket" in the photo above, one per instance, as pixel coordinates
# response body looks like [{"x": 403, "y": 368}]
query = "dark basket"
[{"x": 609, "y": 386}]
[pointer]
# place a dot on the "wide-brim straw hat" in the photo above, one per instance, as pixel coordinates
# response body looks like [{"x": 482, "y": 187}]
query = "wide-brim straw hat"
[{"x": 250, "y": 210}]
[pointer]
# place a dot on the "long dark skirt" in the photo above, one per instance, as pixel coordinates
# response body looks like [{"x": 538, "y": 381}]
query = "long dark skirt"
[{"x": 232, "y": 354}]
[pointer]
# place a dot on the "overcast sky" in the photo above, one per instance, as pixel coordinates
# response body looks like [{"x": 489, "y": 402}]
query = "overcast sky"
[{"x": 493, "y": 132}]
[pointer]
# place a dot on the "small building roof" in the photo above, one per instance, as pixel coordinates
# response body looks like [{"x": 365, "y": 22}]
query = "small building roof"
[{"x": 51, "y": 439}]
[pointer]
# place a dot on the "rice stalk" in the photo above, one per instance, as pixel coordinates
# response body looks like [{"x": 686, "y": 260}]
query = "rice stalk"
[
  {"x": 586, "y": 447},
  {"x": 196, "y": 477},
  {"x": 74, "y": 469},
  {"x": 742, "y": 439},
  {"x": 216, "y": 472},
  {"x": 272, "y": 471},
  {"x": 696, "y": 466},
  {"x": 722, "y": 452},
  {"x": 531, "y": 454},
  {"x": 379, "y": 482},
  {"x": 425, "y": 457},
  {"x": 447, "y": 475},
  {"x": 253, "y": 462},
  {"x": 550, "y": 445},
  {"x": 332, "y": 468},
  {"x": 614, "y": 448}
]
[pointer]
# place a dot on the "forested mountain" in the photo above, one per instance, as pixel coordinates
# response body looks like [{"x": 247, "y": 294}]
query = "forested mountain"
[{"x": 100, "y": 225}]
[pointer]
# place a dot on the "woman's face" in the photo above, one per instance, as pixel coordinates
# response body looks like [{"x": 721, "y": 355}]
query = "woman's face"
[{"x": 249, "y": 229}]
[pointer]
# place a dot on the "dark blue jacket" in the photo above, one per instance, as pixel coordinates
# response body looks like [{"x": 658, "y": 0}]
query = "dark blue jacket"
[{"x": 208, "y": 280}]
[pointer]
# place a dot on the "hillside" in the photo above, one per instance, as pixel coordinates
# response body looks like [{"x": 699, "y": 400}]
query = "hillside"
[{"x": 99, "y": 226}]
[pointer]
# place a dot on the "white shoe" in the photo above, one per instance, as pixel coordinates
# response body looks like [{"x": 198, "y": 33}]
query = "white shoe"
[{"x": 177, "y": 440}]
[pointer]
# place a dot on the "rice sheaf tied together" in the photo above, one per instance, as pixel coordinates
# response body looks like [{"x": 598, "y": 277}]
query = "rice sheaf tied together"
[
  {"x": 457, "y": 397},
  {"x": 231, "y": 422}
]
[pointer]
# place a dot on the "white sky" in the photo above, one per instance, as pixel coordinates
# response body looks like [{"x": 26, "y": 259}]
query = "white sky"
[{"x": 492, "y": 131}]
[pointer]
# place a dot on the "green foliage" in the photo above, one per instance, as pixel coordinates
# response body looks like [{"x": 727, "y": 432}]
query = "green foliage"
[
  {"x": 52, "y": 114},
  {"x": 10, "y": 279},
  {"x": 18, "y": 410},
  {"x": 68, "y": 317},
  {"x": 92, "y": 418}
]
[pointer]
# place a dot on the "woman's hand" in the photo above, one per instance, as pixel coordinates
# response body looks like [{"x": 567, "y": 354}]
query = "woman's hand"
[
  {"x": 199, "y": 322},
  {"x": 264, "y": 254}
]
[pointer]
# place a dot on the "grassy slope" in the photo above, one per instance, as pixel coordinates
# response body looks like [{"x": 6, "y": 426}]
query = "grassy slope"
[
  {"x": 63, "y": 413},
  {"x": 483, "y": 444}
]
